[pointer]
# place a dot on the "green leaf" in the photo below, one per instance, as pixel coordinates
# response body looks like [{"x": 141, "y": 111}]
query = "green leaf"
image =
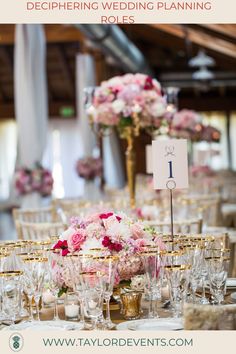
[
  {"x": 62, "y": 291},
  {"x": 125, "y": 122},
  {"x": 150, "y": 229}
]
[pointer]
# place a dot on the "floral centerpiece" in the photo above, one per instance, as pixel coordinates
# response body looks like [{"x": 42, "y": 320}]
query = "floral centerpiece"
[
  {"x": 210, "y": 134},
  {"x": 89, "y": 168},
  {"x": 130, "y": 102},
  {"x": 186, "y": 124},
  {"x": 114, "y": 234},
  {"x": 133, "y": 100},
  {"x": 38, "y": 180}
]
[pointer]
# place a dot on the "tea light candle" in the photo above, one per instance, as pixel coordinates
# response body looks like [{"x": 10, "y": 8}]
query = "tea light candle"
[
  {"x": 72, "y": 311},
  {"x": 92, "y": 304},
  {"x": 48, "y": 298},
  {"x": 165, "y": 292}
]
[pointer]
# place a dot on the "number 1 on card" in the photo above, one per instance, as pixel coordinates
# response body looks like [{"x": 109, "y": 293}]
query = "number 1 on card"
[{"x": 170, "y": 169}]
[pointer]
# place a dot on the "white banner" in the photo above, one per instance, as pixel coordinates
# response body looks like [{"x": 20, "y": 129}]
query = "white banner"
[
  {"x": 117, "y": 11},
  {"x": 112, "y": 342}
]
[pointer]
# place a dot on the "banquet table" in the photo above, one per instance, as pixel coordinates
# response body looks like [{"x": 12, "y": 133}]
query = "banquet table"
[
  {"x": 116, "y": 316},
  {"x": 46, "y": 313}
]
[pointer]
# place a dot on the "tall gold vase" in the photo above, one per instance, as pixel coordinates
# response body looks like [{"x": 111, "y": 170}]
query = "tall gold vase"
[{"x": 130, "y": 164}]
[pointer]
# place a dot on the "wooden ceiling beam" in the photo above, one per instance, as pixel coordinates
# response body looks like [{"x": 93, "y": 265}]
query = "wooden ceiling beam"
[
  {"x": 200, "y": 38},
  {"x": 204, "y": 103},
  {"x": 224, "y": 29},
  {"x": 54, "y": 34}
]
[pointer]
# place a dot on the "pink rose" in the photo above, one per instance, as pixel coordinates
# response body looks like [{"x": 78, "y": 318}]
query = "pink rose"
[
  {"x": 139, "y": 244},
  {"x": 76, "y": 240},
  {"x": 137, "y": 231}
]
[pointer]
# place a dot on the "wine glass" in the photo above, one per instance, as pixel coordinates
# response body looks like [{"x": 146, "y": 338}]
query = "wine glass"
[
  {"x": 107, "y": 266},
  {"x": 92, "y": 289},
  {"x": 10, "y": 290},
  {"x": 152, "y": 268},
  {"x": 55, "y": 263},
  {"x": 35, "y": 270},
  {"x": 217, "y": 275},
  {"x": 178, "y": 279}
]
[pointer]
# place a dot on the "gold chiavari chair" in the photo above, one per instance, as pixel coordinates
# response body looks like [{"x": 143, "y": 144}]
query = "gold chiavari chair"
[
  {"x": 180, "y": 227},
  {"x": 208, "y": 207},
  {"x": 40, "y": 215},
  {"x": 39, "y": 231},
  {"x": 67, "y": 208},
  {"x": 35, "y": 215}
]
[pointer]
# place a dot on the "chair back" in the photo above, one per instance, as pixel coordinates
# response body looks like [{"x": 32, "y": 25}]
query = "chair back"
[
  {"x": 180, "y": 226},
  {"x": 39, "y": 231}
]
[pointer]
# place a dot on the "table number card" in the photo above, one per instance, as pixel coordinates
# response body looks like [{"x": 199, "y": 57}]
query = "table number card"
[
  {"x": 170, "y": 164},
  {"x": 149, "y": 159}
]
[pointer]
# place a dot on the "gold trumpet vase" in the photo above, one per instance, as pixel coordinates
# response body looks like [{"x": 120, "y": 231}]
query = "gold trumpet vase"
[{"x": 130, "y": 163}]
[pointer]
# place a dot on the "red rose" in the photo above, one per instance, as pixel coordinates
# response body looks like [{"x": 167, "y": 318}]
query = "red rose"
[
  {"x": 117, "y": 247},
  {"x": 105, "y": 215},
  {"x": 60, "y": 245},
  {"x": 65, "y": 252},
  {"x": 106, "y": 242},
  {"x": 148, "y": 84}
]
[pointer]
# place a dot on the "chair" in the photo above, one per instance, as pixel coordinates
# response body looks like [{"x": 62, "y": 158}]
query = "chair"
[
  {"x": 67, "y": 208},
  {"x": 40, "y": 215},
  {"x": 208, "y": 206},
  {"x": 180, "y": 226},
  {"x": 207, "y": 317},
  {"x": 35, "y": 215},
  {"x": 39, "y": 231}
]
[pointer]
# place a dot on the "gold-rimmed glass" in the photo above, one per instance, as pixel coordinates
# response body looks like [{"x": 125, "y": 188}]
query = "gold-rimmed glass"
[
  {"x": 178, "y": 279},
  {"x": 217, "y": 274},
  {"x": 108, "y": 268},
  {"x": 10, "y": 293},
  {"x": 92, "y": 295},
  {"x": 172, "y": 257},
  {"x": 219, "y": 252},
  {"x": 152, "y": 267},
  {"x": 40, "y": 244},
  {"x": 4, "y": 256},
  {"x": 34, "y": 269}
]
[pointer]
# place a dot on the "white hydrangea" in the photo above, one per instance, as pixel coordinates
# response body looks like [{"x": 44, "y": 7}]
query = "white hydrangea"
[
  {"x": 136, "y": 108},
  {"x": 158, "y": 109},
  {"x": 119, "y": 231},
  {"x": 90, "y": 244},
  {"x": 118, "y": 106},
  {"x": 93, "y": 230},
  {"x": 69, "y": 232}
]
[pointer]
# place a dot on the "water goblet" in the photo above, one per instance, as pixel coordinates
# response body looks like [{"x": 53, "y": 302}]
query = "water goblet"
[
  {"x": 152, "y": 268},
  {"x": 107, "y": 266},
  {"x": 10, "y": 290},
  {"x": 178, "y": 279}
]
